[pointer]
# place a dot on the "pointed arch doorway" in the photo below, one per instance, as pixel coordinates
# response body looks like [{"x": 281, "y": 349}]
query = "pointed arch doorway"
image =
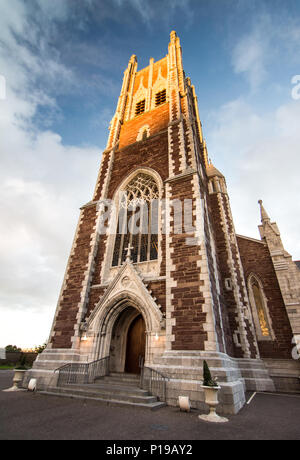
[{"x": 136, "y": 345}]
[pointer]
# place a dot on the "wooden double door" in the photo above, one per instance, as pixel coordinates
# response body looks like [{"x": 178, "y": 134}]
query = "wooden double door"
[{"x": 136, "y": 344}]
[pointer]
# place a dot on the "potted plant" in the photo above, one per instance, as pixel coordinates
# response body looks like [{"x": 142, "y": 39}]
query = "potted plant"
[
  {"x": 211, "y": 388},
  {"x": 20, "y": 370}
]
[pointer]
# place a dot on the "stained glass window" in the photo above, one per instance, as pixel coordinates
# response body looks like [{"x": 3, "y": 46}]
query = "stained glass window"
[
  {"x": 260, "y": 308},
  {"x": 138, "y": 221}
]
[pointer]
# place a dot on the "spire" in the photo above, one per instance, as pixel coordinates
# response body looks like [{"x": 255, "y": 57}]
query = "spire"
[{"x": 263, "y": 213}]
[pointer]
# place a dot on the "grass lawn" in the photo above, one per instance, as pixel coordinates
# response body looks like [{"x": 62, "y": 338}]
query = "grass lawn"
[{"x": 7, "y": 366}]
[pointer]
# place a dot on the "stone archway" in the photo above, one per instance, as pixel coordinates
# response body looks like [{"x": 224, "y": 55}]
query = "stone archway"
[
  {"x": 107, "y": 326},
  {"x": 126, "y": 345}
]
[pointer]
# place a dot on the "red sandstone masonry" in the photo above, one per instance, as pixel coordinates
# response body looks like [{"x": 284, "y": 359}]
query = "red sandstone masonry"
[
  {"x": 157, "y": 120},
  {"x": 187, "y": 296},
  {"x": 221, "y": 324},
  {"x": 66, "y": 317},
  {"x": 256, "y": 259},
  {"x": 105, "y": 162},
  {"x": 152, "y": 153}
]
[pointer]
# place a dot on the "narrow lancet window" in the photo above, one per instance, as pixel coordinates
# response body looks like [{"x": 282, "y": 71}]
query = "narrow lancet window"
[{"x": 258, "y": 304}]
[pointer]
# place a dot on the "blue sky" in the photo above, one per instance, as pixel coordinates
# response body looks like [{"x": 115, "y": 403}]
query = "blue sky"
[{"x": 63, "y": 63}]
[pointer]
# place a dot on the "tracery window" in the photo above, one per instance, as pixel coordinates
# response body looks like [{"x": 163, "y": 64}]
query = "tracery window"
[
  {"x": 258, "y": 303},
  {"x": 138, "y": 221}
]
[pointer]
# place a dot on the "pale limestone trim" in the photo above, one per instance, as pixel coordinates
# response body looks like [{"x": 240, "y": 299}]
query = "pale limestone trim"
[
  {"x": 111, "y": 231},
  {"x": 247, "y": 308},
  {"x": 141, "y": 132},
  {"x": 146, "y": 279},
  {"x": 216, "y": 272},
  {"x": 131, "y": 86},
  {"x": 182, "y": 152},
  {"x": 139, "y": 95},
  {"x": 107, "y": 177},
  {"x": 160, "y": 84},
  {"x": 170, "y": 152},
  {"x": 149, "y": 92},
  {"x": 117, "y": 297},
  {"x": 197, "y": 116},
  {"x": 170, "y": 282},
  {"x": 118, "y": 118},
  {"x": 241, "y": 331},
  {"x": 190, "y": 138},
  {"x": 211, "y": 344},
  {"x": 251, "y": 239},
  {"x": 99, "y": 176},
  {"x": 187, "y": 172}
]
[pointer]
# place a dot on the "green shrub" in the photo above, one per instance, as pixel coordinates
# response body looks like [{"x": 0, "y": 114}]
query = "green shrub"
[
  {"x": 22, "y": 364},
  {"x": 208, "y": 381}
]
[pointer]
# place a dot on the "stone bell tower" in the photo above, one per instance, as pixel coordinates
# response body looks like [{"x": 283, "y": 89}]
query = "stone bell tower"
[{"x": 179, "y": 277}]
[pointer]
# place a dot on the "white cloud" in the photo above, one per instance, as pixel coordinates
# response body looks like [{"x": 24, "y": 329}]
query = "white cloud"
[
  {"x": 271, "y": 40},
  {"x": 260, "y": 154},
  {"x": 249, "y": 58},
  {"x": 42, "y": 181}
]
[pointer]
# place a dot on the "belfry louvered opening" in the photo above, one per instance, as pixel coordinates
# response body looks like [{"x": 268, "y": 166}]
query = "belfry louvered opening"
[
  {"x": 161, "y": 97},
  {"x": 140, "y": 107},
  {"x": 138, "y": 221}
]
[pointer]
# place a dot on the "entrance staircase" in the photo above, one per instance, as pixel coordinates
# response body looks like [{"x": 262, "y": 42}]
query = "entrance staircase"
[{"x": 118, "y": 389}]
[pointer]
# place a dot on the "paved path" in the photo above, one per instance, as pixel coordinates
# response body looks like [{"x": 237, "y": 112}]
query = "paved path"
[{"x": 25, "y": 415}]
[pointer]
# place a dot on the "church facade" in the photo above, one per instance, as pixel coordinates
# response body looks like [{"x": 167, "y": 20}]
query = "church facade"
[{"x": 157, "y": 274}]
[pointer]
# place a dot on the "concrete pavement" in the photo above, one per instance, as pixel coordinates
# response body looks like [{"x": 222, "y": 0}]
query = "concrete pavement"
[{"x": 28, "y": 416}]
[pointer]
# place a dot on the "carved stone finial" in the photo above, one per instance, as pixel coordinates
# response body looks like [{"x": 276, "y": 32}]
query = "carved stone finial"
[
  {"x": 128, "y": 254},
  {"x": 263, "y": 213}
]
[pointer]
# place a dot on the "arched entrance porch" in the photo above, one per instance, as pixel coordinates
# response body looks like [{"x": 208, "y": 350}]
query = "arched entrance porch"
[
  {"x": 128, "y": 342},
  {"x": 110, "y": 325}
]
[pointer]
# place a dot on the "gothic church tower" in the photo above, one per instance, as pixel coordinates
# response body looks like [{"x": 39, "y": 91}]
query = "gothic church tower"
[{"x": 173, "y": 293}]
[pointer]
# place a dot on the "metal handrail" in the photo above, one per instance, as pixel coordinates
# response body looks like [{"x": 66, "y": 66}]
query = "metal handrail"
[
  {"x": 155, "y": 382},
  {"x": 82, "y": 373}
]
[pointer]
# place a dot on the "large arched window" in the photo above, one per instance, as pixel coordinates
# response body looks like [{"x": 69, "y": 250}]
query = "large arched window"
[
  {"x": 259, "y": 309},
  {"x": 137, "y": 221}
]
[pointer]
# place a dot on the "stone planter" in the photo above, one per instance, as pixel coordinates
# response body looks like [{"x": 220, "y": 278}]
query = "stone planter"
[
  {"x": 17, "y": 380},
  {"x": 211, "y": 399}
]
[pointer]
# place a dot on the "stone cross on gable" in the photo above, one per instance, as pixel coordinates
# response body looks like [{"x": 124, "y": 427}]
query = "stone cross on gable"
[{"x": 128, "y": 255}]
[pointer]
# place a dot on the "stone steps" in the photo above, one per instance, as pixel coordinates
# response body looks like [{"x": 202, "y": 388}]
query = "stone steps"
[
  {"x": 285, "y": 374},
  {"x": 121, "y": 379},
  {"x": 115, "y": 389}
]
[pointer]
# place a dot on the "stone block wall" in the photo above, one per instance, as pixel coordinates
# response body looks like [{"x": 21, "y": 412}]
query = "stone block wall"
[{"x": 256, "y": 259}]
